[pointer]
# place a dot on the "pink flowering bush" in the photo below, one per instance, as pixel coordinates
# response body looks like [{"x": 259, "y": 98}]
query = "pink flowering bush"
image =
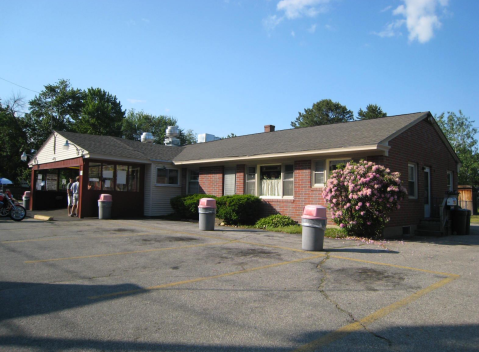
[{"x": 361, "y": 197}]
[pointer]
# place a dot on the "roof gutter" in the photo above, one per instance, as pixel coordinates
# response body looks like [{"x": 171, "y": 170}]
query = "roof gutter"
[{"x": 309, "y": 153}]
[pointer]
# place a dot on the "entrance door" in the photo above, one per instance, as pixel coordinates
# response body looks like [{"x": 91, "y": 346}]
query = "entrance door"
[{"x": 427, "y": 192}]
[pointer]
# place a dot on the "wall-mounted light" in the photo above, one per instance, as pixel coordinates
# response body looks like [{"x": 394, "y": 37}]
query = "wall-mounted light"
[
  {"x": 24, "y": 157},
  {"x": 67, "y": 144}
]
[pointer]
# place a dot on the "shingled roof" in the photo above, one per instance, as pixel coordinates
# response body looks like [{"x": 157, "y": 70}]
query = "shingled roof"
[
  {"x": 354, "y": 134},
  {"x": 121, "y": 148}
]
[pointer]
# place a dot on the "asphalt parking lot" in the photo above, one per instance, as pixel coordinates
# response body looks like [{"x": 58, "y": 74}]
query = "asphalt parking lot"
[{"x": 152, "y": 285}]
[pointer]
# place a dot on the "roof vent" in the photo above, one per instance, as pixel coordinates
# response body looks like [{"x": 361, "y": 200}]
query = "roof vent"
[
  {"x": 172, "y": 133},
  {"x": 147, "y": 137},
  {"x": 206, "y": 137},
  {"x": 269, "y": 128}
]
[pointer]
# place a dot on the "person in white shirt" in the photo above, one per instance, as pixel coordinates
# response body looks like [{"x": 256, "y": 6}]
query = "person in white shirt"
[{"x": 75, "y": 188}]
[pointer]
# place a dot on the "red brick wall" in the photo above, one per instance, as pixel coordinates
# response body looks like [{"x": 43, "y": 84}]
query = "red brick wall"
[
  {"x": 304, "y": 194},
  {"x": 211, "y": 180},
  {"x": 240, "y": 178},
  {"x": 420, "y": 144}
]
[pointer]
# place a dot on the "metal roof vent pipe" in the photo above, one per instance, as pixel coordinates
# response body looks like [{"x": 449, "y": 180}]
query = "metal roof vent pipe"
[
  {"x": 171, "y": 139},
  {"x": 147, "y": 137},
  {"x": 269, "y": 128}
]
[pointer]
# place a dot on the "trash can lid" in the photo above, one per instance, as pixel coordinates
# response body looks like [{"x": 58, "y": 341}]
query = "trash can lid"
[
  {"x": 314, "y": 212},
  {"x": 207, "y": 203},
  {"x": 105, "y": 197},
  {"x": 26, "y": 194}
]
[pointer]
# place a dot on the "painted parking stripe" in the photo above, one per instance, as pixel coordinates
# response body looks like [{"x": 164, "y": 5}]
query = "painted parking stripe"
[
  {"x": 173, "y": 284},
  {"x": 125, "y": 253},
  {"x": 363, "y": 323},
  {"x": 79, "y": 237}
]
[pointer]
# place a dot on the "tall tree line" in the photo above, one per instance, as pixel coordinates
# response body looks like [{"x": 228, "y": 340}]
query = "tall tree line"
[{"x": 60, "y": 107}]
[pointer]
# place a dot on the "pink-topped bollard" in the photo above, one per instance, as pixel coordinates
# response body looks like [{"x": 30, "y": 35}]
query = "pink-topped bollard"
[{"x": 313, "y": 222}]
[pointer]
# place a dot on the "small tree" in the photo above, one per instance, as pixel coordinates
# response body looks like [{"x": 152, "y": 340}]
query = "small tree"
[
  {"x": 323, "y": 112},
  {"x": 372, "y": 111},
  {"x": 361, "y": 196}
]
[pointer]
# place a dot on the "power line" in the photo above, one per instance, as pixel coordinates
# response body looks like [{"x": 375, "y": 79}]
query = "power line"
[{"x": 31, "y": 90}]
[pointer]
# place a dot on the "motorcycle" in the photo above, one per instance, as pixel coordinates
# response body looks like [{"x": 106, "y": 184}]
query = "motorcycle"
[{"x": 9, "y": 207}]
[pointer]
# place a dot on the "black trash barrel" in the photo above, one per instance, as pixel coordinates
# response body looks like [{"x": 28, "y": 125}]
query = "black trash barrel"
[{"x": 459, "y": 221}]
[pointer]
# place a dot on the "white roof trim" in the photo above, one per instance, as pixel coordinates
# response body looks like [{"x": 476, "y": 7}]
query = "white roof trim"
[{"x": 311, "y": 153}]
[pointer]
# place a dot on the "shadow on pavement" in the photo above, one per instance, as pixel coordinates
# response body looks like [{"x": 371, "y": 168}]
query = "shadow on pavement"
[
  {"x": 29, "y": 299},
  {"x": 400, "y": 339}
]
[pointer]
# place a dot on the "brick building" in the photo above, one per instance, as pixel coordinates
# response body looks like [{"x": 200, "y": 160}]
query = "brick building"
[{"x": 287, "y": 169}]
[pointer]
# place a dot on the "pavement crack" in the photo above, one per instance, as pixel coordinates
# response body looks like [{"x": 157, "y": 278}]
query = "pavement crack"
[{"x": 352, "y": 319}]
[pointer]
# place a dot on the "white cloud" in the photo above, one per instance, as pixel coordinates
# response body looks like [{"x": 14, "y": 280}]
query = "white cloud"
[
  {"x": 312, "y": 29},
  {"x": 421, "y": 18},
  {"x": 271, "y": 22},
  {"x": 146, "y": 20},
  {"x": 391, "y": 30},
  {"x": 136, "y": 101},
  {"x": 298, "y": 8},
  {"x": 386, "y": 9},
  {"x": 293, "y": 34}
]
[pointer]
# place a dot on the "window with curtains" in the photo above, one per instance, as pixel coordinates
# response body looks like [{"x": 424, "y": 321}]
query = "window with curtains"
[{"x": 276, "y": 180}]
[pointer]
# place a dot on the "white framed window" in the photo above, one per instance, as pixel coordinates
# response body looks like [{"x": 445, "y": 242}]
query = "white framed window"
[
  {"x": 276, "y": 181},
  {"x": 167, "y": 177},
  {"x": 229, "y": 183},
  {"x": 450, "y": 179},
  {"x": 319, "y": 173},
  {"x": 193, "y": 182},
  {"x": 323, "y": 168},
  {"x": 412, "y": 180},
  {"x": 288, "y": 180},
  {"x": 250, "y": 187}
]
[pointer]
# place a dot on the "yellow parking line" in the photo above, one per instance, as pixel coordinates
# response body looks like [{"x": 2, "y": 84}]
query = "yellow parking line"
[
  {"x": 158, "y": 287},
  {"x": 124, "y": 253},
  {"x": 79, "y": 237},
  {"x": 381, "y": 313}
]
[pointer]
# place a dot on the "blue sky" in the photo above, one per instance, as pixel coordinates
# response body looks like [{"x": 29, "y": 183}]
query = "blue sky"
[{"x": 231, "y": 66}]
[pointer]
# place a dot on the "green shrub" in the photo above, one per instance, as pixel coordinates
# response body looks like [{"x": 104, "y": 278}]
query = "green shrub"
[
  {"x": 275, "y": 221},
  {"x": 186, "y": 207},
  {"x": 238, "y": 209}
]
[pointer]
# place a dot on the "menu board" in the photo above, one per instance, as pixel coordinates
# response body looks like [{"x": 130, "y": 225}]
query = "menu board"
[{"x": 52, "y": 182}]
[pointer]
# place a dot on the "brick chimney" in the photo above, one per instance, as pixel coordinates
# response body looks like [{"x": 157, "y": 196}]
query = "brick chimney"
[{"x": 269, "y": 128}]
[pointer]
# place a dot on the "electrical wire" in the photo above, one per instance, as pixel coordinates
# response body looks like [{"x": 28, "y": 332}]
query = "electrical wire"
[{"x": 31, "y": 90}]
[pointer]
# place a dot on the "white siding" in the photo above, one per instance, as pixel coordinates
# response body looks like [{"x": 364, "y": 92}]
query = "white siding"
[
  {"x": 157, "y": 198},
  {"x": 53, "y": 150}
]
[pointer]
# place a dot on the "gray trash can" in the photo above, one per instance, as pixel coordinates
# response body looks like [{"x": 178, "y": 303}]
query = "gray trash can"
[
  {"x": 207, "y": 213},
  {"x": 313, "y": 221},
  {"x": 26, "y": 199},
  {"x": 104, "y": 206}
]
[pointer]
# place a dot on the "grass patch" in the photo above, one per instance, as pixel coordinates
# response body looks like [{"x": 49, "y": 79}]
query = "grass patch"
[
  {"x": 475, "y": 219},
  {"x": 298, "y": 230}
]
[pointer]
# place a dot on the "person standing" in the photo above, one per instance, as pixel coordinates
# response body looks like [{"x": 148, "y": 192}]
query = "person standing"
[
  {"x": 75, "y": 195},
  {"x": 69, "y": 196}
]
